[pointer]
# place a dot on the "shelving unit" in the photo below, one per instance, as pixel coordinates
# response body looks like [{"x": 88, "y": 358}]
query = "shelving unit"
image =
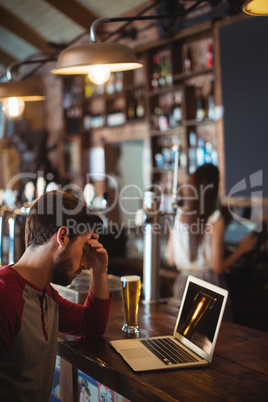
[{"x": 165, "y": 95}]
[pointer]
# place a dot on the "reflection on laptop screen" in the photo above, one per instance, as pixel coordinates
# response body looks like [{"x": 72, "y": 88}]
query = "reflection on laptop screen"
[{"x": 199, "y": 317}]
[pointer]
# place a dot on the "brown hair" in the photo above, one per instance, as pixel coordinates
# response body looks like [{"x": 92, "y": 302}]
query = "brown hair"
[
  {"x": 55, "y": 209},
  {"x": 204, "y": 183}
]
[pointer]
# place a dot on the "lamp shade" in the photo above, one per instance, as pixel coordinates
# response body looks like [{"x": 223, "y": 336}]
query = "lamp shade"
[
  {"x": 27, "y": 90},
  {"x": 81, "y": 59},
  {"x": 256, "y": 7}
]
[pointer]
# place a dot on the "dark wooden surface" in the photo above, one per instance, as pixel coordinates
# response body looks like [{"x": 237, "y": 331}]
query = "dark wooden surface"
[{"x": 238, "y": 372}]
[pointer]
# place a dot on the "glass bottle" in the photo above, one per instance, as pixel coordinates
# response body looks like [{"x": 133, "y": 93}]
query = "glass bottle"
[
  {"x": 188, "y": 61},
  {"x": 140, "y": 107},
  {"x": 200, "y": 103},
  {"x": 156, "y": 72},
  {"x": 177, "y": 109}
]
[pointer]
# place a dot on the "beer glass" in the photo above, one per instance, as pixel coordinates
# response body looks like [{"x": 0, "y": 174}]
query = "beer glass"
[{"x": 131, "y": 290}]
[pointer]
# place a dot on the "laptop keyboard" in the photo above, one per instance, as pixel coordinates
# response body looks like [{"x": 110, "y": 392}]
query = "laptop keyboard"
[{"x": 168, "y": 351}]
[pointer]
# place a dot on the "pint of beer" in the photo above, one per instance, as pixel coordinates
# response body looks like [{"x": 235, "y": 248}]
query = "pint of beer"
[{"x": 131, "y": 290}]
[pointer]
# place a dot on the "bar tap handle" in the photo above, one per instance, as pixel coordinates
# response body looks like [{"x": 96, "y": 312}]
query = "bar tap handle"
[
  {"x": 174, "y": 204},
  {"x": 151, "y": 260},
  {"x": 9, "y": 199},
  {"x": 11, "y": 229},
  {"x": 88, "y": 193},
  {"x": 1, "y": 222}
]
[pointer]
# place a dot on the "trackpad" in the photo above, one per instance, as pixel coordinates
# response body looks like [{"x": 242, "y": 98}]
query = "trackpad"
[{"x": 137, "y": 353}]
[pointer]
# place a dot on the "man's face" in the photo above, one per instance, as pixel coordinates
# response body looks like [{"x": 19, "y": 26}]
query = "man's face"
[{"x": 68, "y": 263}]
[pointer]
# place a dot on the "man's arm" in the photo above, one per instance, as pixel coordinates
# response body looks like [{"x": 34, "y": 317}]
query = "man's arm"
[
  {"x": 91, "y": 319},
  {"x": 96, "y": 258}
]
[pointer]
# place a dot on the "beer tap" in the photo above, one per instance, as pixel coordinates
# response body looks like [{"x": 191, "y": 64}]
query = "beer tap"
[
  {"x": 5, "y": 212},
  {"x": 174, "y": 203},
  {"x": 1, "y": 221},
  {"x": 151, "y": 260},
  {"x": 149, "y": 217}
]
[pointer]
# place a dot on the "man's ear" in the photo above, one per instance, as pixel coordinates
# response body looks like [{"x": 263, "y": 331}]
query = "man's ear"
[{"x": 62, "y": 236}]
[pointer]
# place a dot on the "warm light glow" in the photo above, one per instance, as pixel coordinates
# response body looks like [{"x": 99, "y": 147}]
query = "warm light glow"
[
  {"x": 99, "y": 74},
  {"x": 114, "y": 67},
  {"x": 13, "y": 107},
  {"x": 256, "y": 7}
]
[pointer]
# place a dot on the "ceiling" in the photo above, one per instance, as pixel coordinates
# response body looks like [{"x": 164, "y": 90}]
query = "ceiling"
[{"x": 29, "y": 27}]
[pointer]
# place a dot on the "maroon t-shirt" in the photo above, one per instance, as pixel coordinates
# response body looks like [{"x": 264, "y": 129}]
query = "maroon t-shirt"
[{"x": 30, "y": 319}]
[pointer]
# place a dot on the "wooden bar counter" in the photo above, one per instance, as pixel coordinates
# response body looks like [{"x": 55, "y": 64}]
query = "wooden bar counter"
[{"x": 238, "y": 372}]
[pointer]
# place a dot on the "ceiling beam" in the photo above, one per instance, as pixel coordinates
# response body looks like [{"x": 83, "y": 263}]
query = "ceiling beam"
[
  {"x": 5, "y": 58},
  {"x": 14, "y": 24},
  {"x": 75, "y": 11}
]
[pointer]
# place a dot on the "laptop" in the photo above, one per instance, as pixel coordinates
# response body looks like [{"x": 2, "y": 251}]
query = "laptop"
[{"x": 194, "y": 337}]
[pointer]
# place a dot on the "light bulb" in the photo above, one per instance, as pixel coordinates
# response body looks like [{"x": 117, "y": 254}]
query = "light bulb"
[
  {"x": 13, "y": 107},
  {"x": 99, "y": 74}
]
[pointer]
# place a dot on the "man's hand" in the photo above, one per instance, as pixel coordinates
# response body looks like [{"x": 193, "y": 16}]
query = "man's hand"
[{"x": 95, "y": 257}]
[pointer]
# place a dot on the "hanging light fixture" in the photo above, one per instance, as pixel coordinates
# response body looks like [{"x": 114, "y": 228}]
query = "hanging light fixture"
[
  {"x": 14, "y": 94},
  {"x": 93, "y": 57},
  {"x": 97, "y": 60},
  {"x": 256, "y": 7}
]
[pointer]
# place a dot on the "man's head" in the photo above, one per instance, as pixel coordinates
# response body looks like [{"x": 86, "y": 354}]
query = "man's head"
[{"x": 55, "y": 209}]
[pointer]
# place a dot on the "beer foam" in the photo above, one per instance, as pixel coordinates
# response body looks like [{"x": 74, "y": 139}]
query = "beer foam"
[{"x": 130, "y": 278}]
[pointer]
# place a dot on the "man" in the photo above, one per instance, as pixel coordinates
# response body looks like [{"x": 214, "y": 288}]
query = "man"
[{"x": 60, "y": 242}]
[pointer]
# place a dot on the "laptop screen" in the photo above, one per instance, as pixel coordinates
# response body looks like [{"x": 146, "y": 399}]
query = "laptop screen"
[{"x": 199, "y": 316}]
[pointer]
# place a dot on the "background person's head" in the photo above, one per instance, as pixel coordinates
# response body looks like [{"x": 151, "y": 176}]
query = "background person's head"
[
  {"x": 55, "y": 209},
  {"x": 204, "y": 185}
]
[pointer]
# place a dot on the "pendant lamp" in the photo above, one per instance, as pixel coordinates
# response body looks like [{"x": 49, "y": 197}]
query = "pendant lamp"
[
  {"x": 256, "y": 7},
  {"x": 14, "y": 94},
  {"x": 112, "y": 57}
]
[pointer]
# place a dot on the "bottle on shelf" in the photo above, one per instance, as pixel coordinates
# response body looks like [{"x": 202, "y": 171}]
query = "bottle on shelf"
[
  {"x": 169, "y": 78},
  {"x": 131, "y": 108},
  {"x": 200, "y": 152},
  {"x": 119, "y": 81},
  {"x": 165, "y": 79},
  {"x": 110, "y": 86},
  {"x": 210, "y": 102},
  {"x": 156, "y": 72},
  {"x": 88, "y": 87},
  {"x": 140, "y": 106},
  {"x": 210, "y": 55},
  {"x": 188, "y": 61},
  {"x": 176, "y": 115},
  {"x": 200, "y": 103},
  {"x": 163, "y": 71},
  {"x": 192, "y": 152}
]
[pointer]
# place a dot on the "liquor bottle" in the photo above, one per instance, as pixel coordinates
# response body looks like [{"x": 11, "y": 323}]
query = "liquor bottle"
[
  {"x": 140, "y": 107},
  {"x": 88, "y": 88},
  {"x": 210, "y": 55},
  {"x": 156, "y": 72},
  {"x": 131, "y": 108},
  {"x": 208, "y": 151},
  {"x": 163, "y": 71},
  {"x": 110, "y": 86},
  {"x": 200, "y": 152},
  {"x": 119, "y": 81},
  {"x": 169, "y": 78},
  {"x": 192, "y": 152},
  {"x": 177, "y": 109},
  {"x": 210, "y": 102},
  {"x": 200, "y": 103},
  {"x": 188, "y": 61}
]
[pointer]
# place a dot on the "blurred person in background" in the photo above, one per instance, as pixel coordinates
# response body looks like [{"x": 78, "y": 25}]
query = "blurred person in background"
[{"x": 196, "y": 242}]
